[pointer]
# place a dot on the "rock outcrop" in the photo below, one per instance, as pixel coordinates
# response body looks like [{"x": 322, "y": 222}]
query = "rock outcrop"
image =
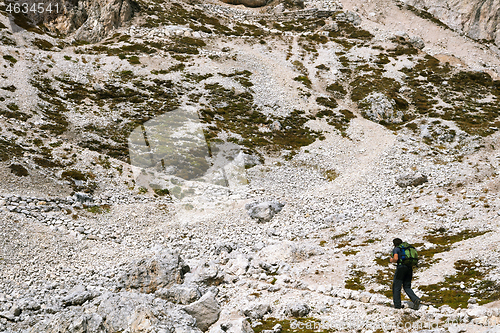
[
  {"x": 90, "y": 20},
  {"x": 414, "y": 179},
  {"x": 263, "y": 211},
  {"x": 478, "y": 19},
  {"x": 206, "y": 310},
  {"x": 161, "y": 271},
  {"x": 297, "y": 310},
  {"x": 118, "y": 312},
  {"x": 181, "y": 294},
  {"x": 379, "y": 108}
]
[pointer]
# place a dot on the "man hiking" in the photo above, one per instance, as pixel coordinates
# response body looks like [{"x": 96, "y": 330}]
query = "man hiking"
[{"x": 402, "y": 277}]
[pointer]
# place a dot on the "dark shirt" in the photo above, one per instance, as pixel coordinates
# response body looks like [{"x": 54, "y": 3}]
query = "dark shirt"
[{"x": 397, "y": 250}]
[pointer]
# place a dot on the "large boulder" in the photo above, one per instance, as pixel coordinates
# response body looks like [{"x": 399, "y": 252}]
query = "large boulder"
[
  {"x": 206, "y": 310},
  {"x": 119, "y": 312},
  {"x": 134, "y": 312},
  {"x": 411, "y": 179},
  {"x": 71, "y": 322},
  {"x": 263, "y": 211},
  {"x": 180, "y": 294},
  {"x": 378, "y": 107},
  {"x": 297, "y": 310},
  {"x": 83, "y": 198},
  {"x": 205, "y": 273},
  {"x": 256, "y": 310},
  {"x": 163, "y": 270},
  {"x": 78, "y": 296},
  {"x": 247, "y": 3}
]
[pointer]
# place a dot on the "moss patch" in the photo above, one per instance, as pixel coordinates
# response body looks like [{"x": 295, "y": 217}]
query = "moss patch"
[
  {"x": 9, "y": 149},
  {"x": 18, "y": 170},
  {"x": 236, "y": 113},
  {"x": 42, "y": 44},
  {"x": 355, "y": 281},
  {"x": 443, "y": 241},
  {"x": 99, "y": 209},
  {"x": 472, "y": 277},
  {"x": 10, "y": 59}
]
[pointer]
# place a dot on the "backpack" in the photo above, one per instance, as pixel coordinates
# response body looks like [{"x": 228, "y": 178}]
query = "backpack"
[{"x": 409, "y": 256}]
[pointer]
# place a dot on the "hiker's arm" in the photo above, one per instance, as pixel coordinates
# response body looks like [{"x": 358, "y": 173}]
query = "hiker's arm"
[{"x": 395, "y": 258}]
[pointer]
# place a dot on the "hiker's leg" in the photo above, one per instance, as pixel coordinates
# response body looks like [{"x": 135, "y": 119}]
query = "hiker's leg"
[
  {"x": 407, "y": 285},
  {"x": 396, "y": 289}
]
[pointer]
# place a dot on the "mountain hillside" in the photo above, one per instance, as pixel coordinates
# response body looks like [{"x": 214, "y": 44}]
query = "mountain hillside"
[
  {"x": 477, "y": 19},
  {"x": 189, "y": 166}
]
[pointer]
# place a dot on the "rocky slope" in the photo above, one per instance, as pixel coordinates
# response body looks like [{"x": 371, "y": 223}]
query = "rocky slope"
[
  {"x": 210, "y": 167},
  {"x": 477, "y": 19}
]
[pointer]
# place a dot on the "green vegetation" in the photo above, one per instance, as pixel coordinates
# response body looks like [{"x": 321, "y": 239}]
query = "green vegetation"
[
  {"x": 9, "y": 149},
  {"x": 45, "y": 162},
  {"x": 327, "y": 102},
  {"x": 350, "y": 252},
  {"x": 23, "y": 22},
  {"x": 18, "y": 170},
  {"x": 99, "y": 209},
  {"x": 54, "y": 107},
  {"x": 174, "y": 68},
  {"x": 42, "y": 44},
  {"x": 7, "y": 41},
  {"x": 355, "y": 280},
  {"x": 12, "y": 107},
  {"x": 163, "y": 94},
  {"x": 186, "y": 45},
  {"x": 348, "y": 31},
  {"x": 443, "y": 241},
  {"x": 466, "y": 96},
  {"x": 381, "y": 259},
  {"x": 241, "y": 77},
  {"x": 383, "y": 277},
  {"x": 304, "y": 80},
  {"x": 330, "y": 175},
  {"x": 302, "y": 25},
  {"x": 10, "y": 59},
  {"x": 14, "y": 113},
  {"x": 161, "y": 192},
  {"x": 10, "y": 88},
  {"x": 74, "y": 174},
  {"x": 106, "y": 164},
  {"x": 236, "y": 113},
  {"x": 339, "y": 119},
  {"x": 134, "y": 60},
  {"x": 470, "y": 275},
  {"x": 118, "y": 51},
  {"x": 336, "y": 89}
]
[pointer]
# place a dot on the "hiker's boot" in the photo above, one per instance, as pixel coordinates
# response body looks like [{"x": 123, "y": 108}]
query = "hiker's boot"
[{"x": 416, "y": 304}]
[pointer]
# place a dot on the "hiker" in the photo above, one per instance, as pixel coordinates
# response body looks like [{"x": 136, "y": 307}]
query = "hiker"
[{"x": 402, "y": 277}]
